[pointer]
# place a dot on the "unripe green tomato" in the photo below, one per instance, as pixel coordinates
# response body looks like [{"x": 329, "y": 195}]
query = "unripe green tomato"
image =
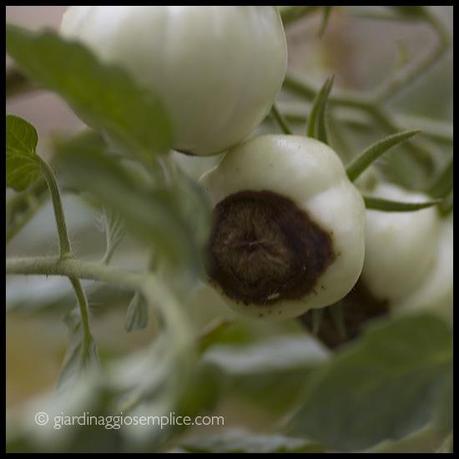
[
  {"x": 400, "y": 247},
  {"x": 217, "y": 69},
  {"x": 288, "y": 229}
]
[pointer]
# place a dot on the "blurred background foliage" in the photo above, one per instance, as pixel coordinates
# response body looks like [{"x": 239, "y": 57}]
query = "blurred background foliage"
[{"x": 278, "y": 388}]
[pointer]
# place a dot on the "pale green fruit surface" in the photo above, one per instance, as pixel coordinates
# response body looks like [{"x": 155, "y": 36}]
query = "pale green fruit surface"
[{"x": 217, "y": 69}]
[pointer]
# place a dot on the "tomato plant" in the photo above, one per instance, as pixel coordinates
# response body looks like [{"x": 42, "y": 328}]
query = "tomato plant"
[{"x": 251, "y": 248}]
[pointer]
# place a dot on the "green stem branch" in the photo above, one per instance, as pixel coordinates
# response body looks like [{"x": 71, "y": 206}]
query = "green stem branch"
[
  {"x": 84, "y": 313},
  {"x": 72, "y": 268},
  {"x": 65, "y": 249}
]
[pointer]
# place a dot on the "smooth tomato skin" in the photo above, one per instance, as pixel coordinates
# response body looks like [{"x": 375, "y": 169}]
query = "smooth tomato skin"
[
  {"x": 217, "y": 69},
  {"x": 435, "y": 294},
  {"x": 400, "y": 247}
]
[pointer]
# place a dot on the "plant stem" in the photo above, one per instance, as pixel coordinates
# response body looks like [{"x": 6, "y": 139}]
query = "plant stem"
[
  {"x": 280, "y": 120},
  {"x": 84, "y": 313},
  {"x": 65, "y": 249},
  {"x": 70, "y": 267}
]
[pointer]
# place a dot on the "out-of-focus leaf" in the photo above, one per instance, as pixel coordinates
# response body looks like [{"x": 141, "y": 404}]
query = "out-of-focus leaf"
[
  {"x": 275, "y": 355},
  {"x": 24, "y": 433},
  {"x": 373, "y": 152},
  {"x": 104, "y": 96},
  {"x": 383, "y": 387},
  {"x": 53, "y": 295},
  {"x": 268, "y": 372},
  {"x": 387, "y": 205},
  {"x": 22, "y": 165},
  {"x": 202, "y": 392},
  {"x": 21, "y": 207},
  {"x": 425, "y": 440},
  {"x": 447, "y": 445},
  {"x": 153, "y": 381},
  {"x": 432, "y": 438},
  {"x": 212, "y": 333},
  {"x": 443, "y": 418},
  {"x": 114, "y": 233},
  {"x": 317, "y": 121},
  {"x": 81, "y": 355},
  {"x": 239, "y": 441},
  {"x": 137, "y": 314},
  {"x": 194, "y": 205},
  {"x": 151, "y": 213}
]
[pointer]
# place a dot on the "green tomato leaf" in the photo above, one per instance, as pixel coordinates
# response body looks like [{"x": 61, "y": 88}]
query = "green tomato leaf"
[
  {"x": 137, "y": 314},
  {"x": 443, "y": 418},
  {"x": 239, "y": 441},
  {"x": 114, "y": 233},
  {"x": 21, "y": 207},
  {"x": 383, "y": 387},
  {"x": 151, "y": 212},
  {"x": 268, "y": 372},
  {"x": 104, "y": 96},
  {"x": 386, "y": 205},
  {"x": 373, "y": 152},
  {"x": 202, "y": 393},
  {"x": 425, "y": 440},
  {"x": 317, "y": 122},
  {"x": 212, "y": 333},
  {"x": 22, "y": 165},
  {"x": 155, "y": 379},
  {"x": 274, "y": 355}
]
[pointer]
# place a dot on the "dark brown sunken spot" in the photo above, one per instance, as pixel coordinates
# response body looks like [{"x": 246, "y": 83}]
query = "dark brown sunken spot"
[
  {"x": 264, "y": 249},
  {"x": 359, "y": 306}
]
